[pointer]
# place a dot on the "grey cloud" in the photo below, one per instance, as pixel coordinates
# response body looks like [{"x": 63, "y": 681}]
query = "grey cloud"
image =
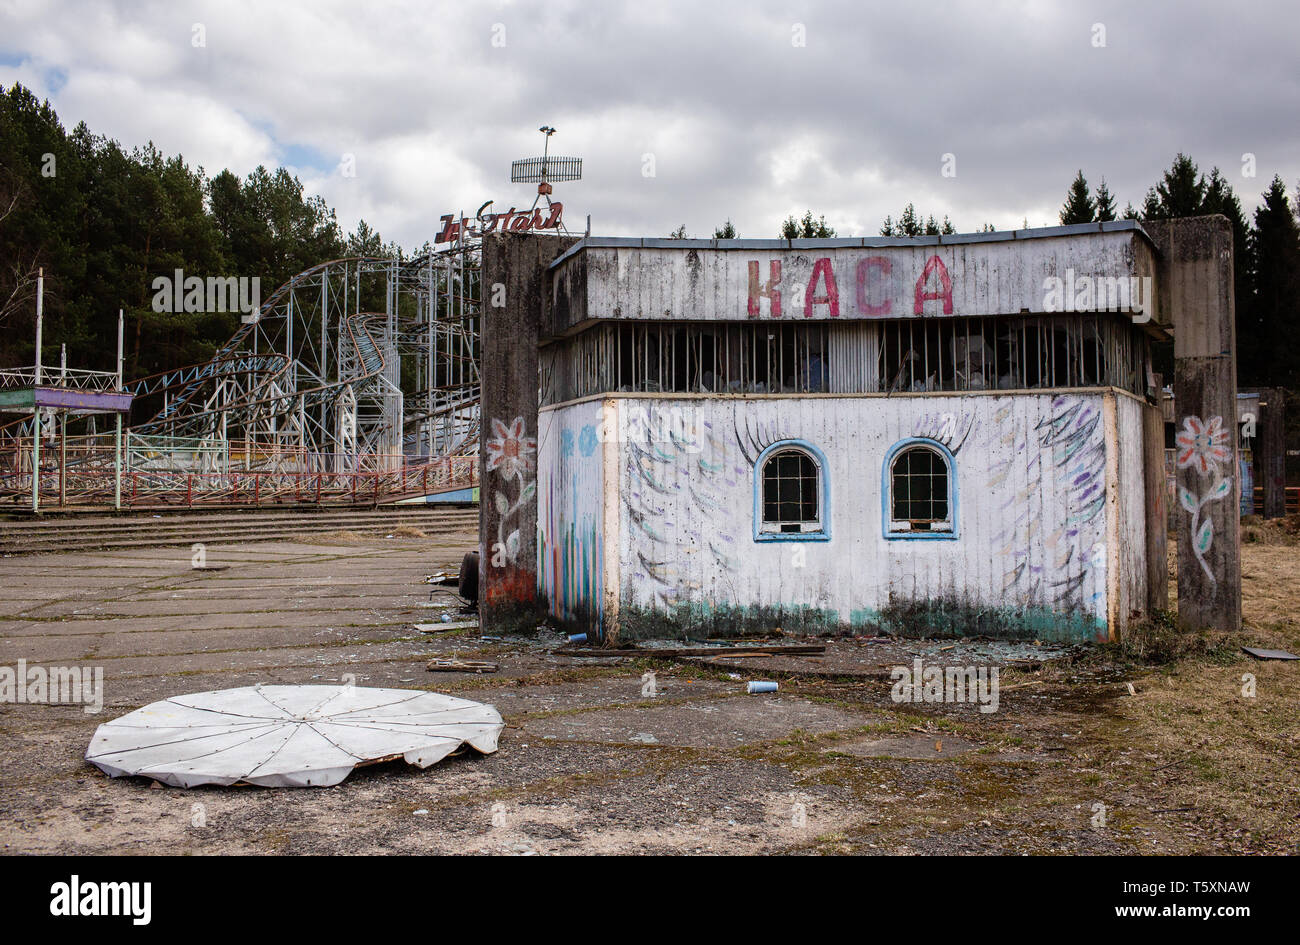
[{"x": 716, "y": 91}]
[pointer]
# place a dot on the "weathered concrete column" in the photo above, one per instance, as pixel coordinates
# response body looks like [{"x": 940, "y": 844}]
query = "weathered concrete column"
[
  {"x": 512, "y": 289},
  {"x": 1272, "y": 451},
  {"x": 1196, "y": 285}
]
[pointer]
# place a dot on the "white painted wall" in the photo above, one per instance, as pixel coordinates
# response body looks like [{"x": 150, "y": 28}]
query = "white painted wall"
[
  {"x": 1034, "y": 542},
  {"x": 570, "y": 500},
  {"x": 1034, "y": 547}
]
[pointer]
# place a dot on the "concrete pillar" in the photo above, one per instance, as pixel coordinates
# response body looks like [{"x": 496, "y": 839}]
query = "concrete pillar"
[
  {"x": 1196, "y": 288},
  {"x": 512, "y": 290},
  {"x": 1270, "y": 451}
]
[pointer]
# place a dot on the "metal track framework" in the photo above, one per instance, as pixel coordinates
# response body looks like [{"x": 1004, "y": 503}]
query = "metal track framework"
[{"x": 360, "y": 369}]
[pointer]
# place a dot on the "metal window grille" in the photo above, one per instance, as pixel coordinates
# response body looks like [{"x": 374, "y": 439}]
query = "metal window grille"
[
  {"x": 790, "y": 492},
  {"x": 897, "y": 356},
  {"x": 919, "y": 490}
]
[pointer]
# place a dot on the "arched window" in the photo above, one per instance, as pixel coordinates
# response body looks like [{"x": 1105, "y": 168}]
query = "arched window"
[
  {"x": 919, "y": 491},
  {"x": 790, "y": 493}
]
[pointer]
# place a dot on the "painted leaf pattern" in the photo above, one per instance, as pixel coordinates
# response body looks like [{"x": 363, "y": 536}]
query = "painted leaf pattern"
[
  {"x": 1219, "y": 491},
  {"x": 1204, "y": 536}
]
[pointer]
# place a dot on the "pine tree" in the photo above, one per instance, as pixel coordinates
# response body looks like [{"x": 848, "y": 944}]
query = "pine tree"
[
  {"x": 365, "y": 241},
  {"x": 909, "y": 222},
  {"x": 806, "y": 228},
  {"x": 1219, "y": 198},
  {"x": 1180, "y": 192},
  {"x": 109, "y": 220},
  {"x": 725, "y": 232},
  {"x": 1105, "y": 203},
  {"x": 1277, "y": 283},
  {"x": 1151, "y": 209},
  {"x": 1079, "y": 206}
]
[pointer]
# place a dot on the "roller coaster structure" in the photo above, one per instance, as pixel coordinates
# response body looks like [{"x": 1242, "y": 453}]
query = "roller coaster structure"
[{"x": 358, "y": 375}]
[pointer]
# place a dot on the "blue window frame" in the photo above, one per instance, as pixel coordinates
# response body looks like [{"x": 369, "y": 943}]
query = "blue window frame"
[
  {"x": 792, "y": 497},
  {"x": 918, "y": 491}
]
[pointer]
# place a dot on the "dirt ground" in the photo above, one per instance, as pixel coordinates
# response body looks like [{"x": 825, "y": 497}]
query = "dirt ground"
[{"x": 1073, "y": 761}]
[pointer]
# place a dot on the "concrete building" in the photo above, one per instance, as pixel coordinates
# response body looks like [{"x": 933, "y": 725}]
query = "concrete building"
[{"x": 933, "y": 435}]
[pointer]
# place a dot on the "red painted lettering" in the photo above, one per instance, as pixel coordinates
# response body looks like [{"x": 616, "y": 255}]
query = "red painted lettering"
[
  {"x": 882, "y": 264},
  {"x": 822, "y": 267},
  {"x": 944, "y": 293},
  {"x": 449, "y": 230},
  {"x": 770, "y": 289}
]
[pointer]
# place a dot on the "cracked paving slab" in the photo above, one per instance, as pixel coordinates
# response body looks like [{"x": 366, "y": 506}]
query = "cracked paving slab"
[{"x": 719, "y": 723}]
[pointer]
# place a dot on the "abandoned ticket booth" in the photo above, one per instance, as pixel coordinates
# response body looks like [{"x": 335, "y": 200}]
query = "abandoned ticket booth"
[{"x": 938, "y": 435}]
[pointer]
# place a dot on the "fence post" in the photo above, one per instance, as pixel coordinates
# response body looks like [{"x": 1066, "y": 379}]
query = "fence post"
[{"x": 189, "y": 490}]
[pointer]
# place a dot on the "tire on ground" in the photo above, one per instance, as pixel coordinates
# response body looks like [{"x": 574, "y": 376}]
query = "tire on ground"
[{"x": 469, "y": 577}]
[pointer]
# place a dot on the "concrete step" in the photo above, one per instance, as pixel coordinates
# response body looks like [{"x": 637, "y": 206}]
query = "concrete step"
[
  {"x": 139, "y": 530},
  {"x": 134, "y": 518}
]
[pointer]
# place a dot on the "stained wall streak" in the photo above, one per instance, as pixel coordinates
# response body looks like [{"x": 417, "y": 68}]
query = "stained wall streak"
[{"x": 570, "y": 542}]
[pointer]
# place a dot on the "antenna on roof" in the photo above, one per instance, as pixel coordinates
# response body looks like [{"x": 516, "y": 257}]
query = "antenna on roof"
[{"x": 545, "y": 170}]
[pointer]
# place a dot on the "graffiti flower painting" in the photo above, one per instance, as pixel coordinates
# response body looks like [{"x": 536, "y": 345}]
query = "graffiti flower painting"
[
  {"x": 511, "y": 457},
  {"x": 1203, "y": 445},
  {"x": 509, "y": 451}
]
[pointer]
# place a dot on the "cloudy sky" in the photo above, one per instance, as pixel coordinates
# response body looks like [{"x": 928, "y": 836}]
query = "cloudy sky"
[{"x": 684, "y": 112}]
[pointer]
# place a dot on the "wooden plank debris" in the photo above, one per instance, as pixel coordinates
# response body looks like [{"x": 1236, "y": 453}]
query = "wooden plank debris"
[
  {"x": 672, "y": 652},
  {"x": 450, "y": 665},
  {"x": 448, "y": 625},
  {"x": 1269, "y": 654}
]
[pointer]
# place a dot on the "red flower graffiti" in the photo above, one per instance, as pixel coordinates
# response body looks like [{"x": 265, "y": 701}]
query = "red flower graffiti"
[
  {"x": 1203, "y": 445},
  {"x": 509, "y": 450}
]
